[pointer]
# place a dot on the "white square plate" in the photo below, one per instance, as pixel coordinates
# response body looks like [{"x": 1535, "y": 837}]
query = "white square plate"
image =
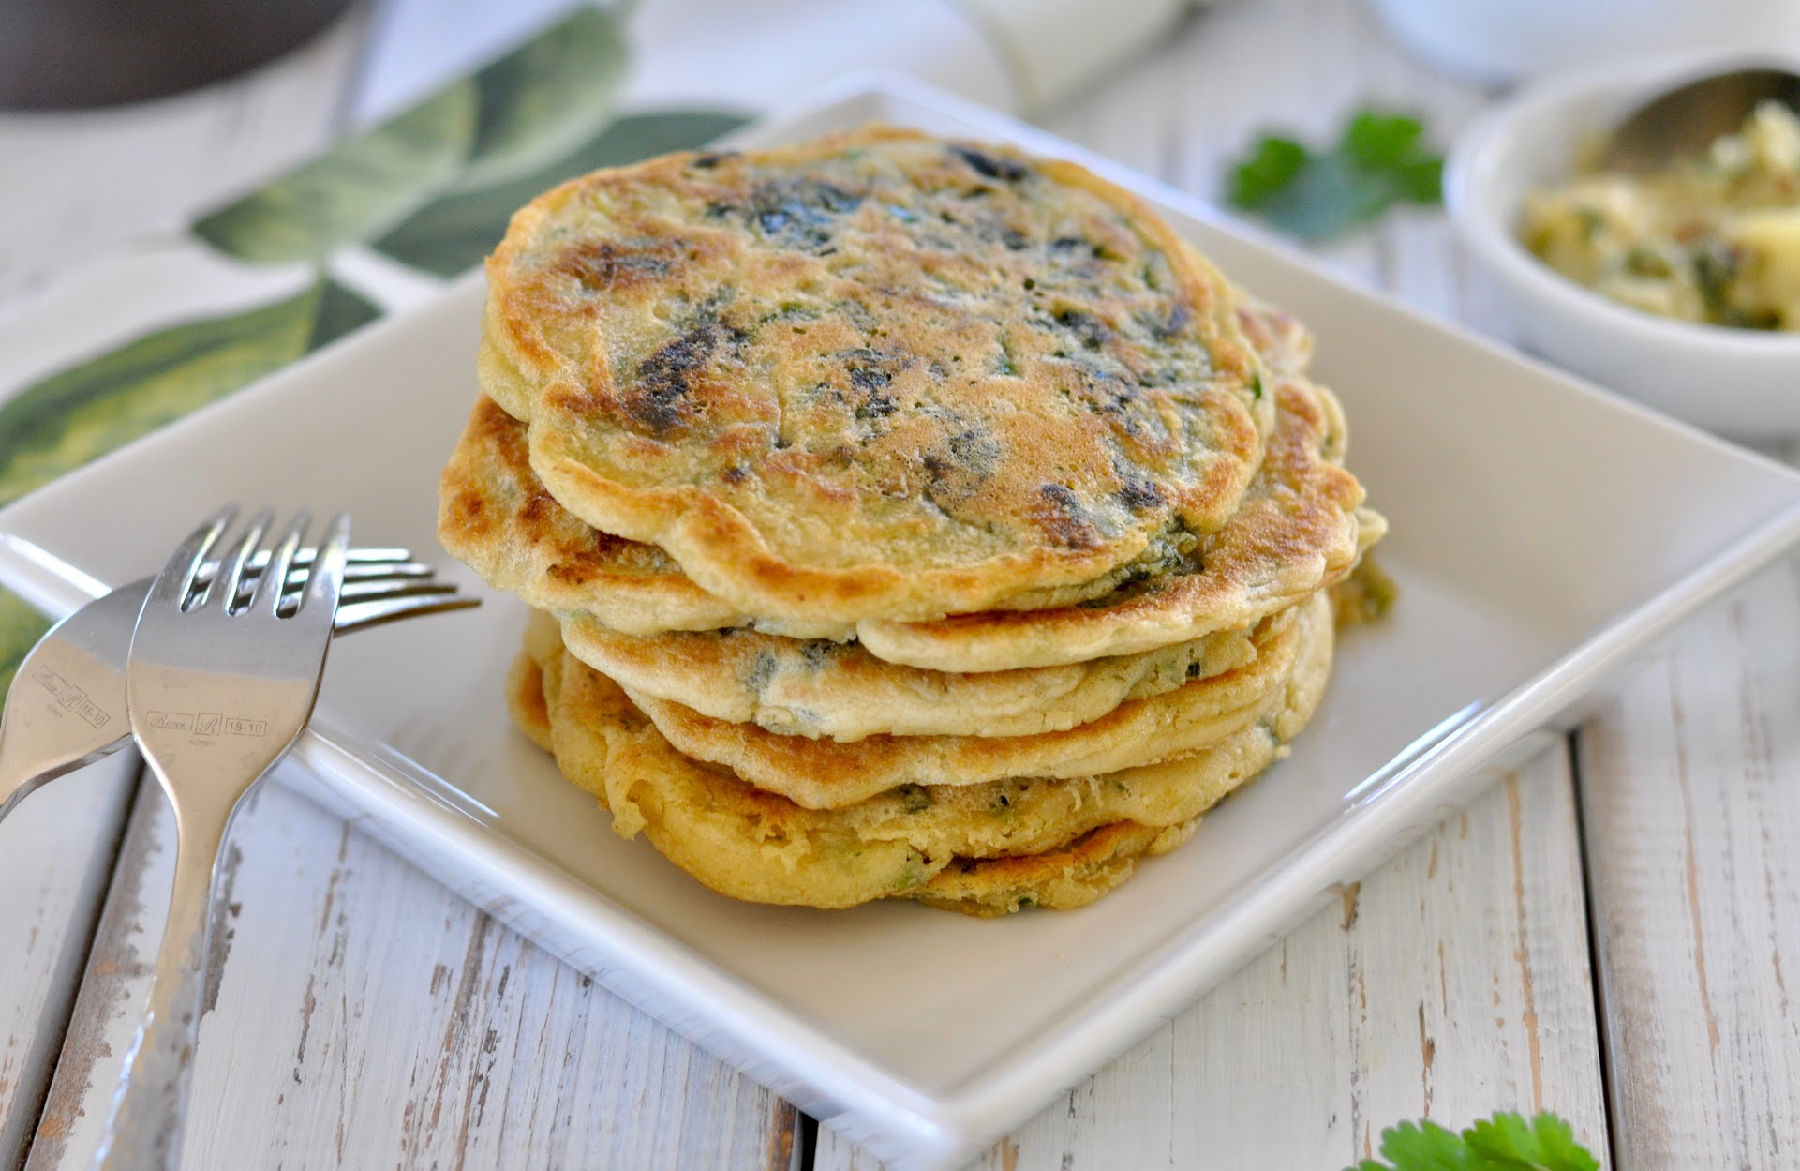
[{"x": 1541, "y": 532}]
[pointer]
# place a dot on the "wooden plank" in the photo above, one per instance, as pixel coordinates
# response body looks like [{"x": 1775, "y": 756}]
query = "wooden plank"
[
  {"x": 1451, "y": 983},
  {"x": 113, "y": 988},
  {"x": 1690, "y": 785},
  {"x": 363, "y": 1015},
  {"x": 56, "y": 855},
  {"x": 63, "y": 201}
]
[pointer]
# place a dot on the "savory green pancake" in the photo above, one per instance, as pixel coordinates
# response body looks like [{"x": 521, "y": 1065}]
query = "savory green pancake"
[
  {"x": 829, "y": 774},
  {"x": 1070, "y": 875},
  {"x": 876, "y": 376},
  {"x": 1060, "y": 880},
  {"x": 495, "y": 517},
  {"x": 838, "y": 690},
  {"x": 979, "y": 848}
]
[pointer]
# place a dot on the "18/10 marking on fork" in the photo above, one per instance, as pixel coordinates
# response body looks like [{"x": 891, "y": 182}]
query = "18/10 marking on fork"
[
  {"x": 70, "y": 697},
  {"x": 206, "y": 723}
]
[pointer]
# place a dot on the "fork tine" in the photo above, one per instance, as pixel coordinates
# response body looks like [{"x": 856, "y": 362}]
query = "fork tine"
[
  {"x": 326, "y": 579},
  {"x": 405, "y": 587},
  {"x": 230, "y": 581},
  {"x": 359, "y": 614},
  {"x": 280, "y": 561},
  {"x": 376, "y": 553},
  {"x": 361, "y": 556},
  {"x": 355, "y": 570},
  {"x": 171, "y": 587},
  {"x": 357, "y": 586},
  {"x": 366, "y": 570},
  {"x": 359, "y": 565}
]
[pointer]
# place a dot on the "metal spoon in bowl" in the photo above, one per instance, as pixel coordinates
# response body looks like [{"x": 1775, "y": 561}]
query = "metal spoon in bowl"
[{"x": 1684, "y": 122}]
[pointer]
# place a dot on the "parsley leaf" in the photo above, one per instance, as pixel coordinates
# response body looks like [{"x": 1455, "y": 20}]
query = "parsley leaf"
[
  {"x": 1259, "y": 177},
  {"x": 1509, "y": 1141},
  {"x": 1505, "y": 1142},
  {"x": 1380, "y": 159}
]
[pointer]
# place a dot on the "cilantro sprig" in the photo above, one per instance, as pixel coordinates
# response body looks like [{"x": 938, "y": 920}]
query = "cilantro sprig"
[
  {"x": 1380, "y": 160},
  {"x": 1505, "y": 1142}
]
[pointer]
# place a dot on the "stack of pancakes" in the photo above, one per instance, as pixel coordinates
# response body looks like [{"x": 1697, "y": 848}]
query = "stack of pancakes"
[{"x": 904, "y": 518}]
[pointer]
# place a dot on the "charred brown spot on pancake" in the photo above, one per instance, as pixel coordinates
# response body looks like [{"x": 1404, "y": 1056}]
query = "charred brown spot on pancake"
[
  {"x": 1064, "y": 519},
  {"x": 1136, "y": 491},
  {"x": 538, "y": 508},
  {"x": 658, "y": 398},
  {"x": 605, "y": 265},
  {"x": 958, "y": 467},
  {"x": 496, "y": 430},
  {"x": 1084, "y": 327},
  {"x": 991, "y": 166},
  {"x": 469, "y": 511},
  {"x": 572, "y": 573}
]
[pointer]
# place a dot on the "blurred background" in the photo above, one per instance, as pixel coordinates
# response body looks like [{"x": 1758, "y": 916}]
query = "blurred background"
[
  {"x": 242, "y": 181},
  {"x": 121, "y": 117}
]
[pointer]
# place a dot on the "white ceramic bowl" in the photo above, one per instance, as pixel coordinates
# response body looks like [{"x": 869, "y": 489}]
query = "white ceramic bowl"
[
  {"x": 1494, "y": 41},
  {"x": 1741, "y": 383}
]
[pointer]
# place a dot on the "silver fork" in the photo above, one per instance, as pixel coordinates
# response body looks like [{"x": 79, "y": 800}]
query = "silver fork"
[
  {"x": 219, "y": 686},
  {"x": 66, "y": 707}
]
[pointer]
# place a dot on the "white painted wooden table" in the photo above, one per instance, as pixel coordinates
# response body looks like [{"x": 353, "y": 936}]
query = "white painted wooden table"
[{"x": 1608, "y": 934}]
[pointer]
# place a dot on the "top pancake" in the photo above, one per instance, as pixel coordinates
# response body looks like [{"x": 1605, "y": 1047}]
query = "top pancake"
[{"x": 876, "y": 376}]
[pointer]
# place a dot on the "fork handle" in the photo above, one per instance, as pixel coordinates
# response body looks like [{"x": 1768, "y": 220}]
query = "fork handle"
[
  {"x": 18, "y": 778},
  {"x": 143, "y": 1130}
]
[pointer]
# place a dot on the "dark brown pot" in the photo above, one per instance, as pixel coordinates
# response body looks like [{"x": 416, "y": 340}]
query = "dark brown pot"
[{"x": 60, "y": 54}]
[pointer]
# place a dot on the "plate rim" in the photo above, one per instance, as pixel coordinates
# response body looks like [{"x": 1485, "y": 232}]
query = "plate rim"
[{"x": 847, "y": 1088}]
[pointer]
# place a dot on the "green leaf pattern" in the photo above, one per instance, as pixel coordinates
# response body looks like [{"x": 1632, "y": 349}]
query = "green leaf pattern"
[
  {"x": 20, "y": 627},
  {"x": 64, "y": 421},
  {"x": 359, "y": 188},
  {"x": 509, "y": 122},
  {"x": 449, "y": 235},
  {"x": 544, "y": 99}
]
